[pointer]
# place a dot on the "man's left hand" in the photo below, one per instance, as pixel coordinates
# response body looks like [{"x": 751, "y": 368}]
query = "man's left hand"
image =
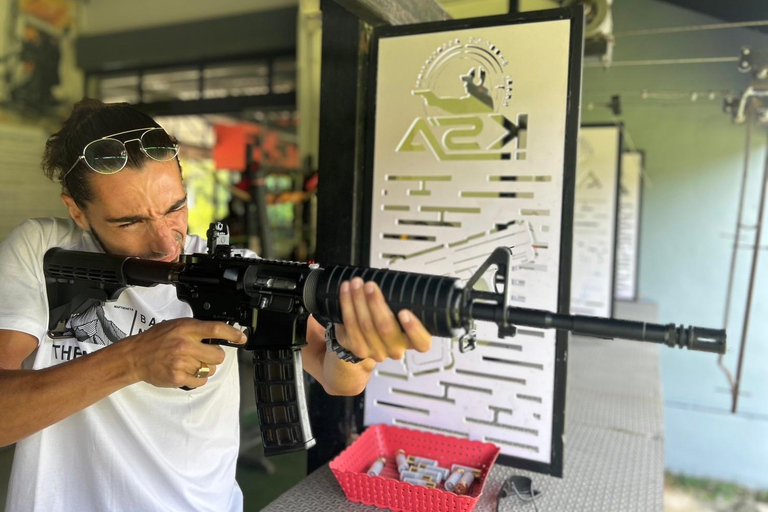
[{"x": 370, "y": 328}]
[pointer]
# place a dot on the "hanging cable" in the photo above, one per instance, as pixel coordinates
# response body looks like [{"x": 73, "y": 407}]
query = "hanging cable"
[
  {"x": 645, "y": 94},
  {"x": 691, "y": 28},
  {"x": 663, "y": 62}
]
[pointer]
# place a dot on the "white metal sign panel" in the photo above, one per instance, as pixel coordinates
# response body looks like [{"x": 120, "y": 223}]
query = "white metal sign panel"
[
  {"x": 628, "y": 248},
  {"x": 594, "y": 221},
  {"x": 469, "y": 156}
]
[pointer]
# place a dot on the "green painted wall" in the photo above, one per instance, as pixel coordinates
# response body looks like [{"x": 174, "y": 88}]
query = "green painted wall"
[{"x": 694, "y": 160}]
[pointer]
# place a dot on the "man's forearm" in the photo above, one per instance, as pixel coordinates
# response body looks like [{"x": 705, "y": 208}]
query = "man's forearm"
[
  {"x": 346, "y": 378},
  {"x": 336, "y": 376},
  {"x": 34, "y": 399}
]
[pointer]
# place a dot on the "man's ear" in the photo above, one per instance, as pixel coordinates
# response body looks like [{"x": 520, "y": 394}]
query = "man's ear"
[{"x": 77, "y": 214}]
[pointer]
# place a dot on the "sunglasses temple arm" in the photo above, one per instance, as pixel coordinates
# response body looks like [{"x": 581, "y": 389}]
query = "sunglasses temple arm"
[{"x": 81, "y": 157}]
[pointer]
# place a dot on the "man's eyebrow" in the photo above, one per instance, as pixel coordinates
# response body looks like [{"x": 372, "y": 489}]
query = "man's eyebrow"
[
  {"x": 178, "y": 204},
  {"x": 138, "y": 218}
]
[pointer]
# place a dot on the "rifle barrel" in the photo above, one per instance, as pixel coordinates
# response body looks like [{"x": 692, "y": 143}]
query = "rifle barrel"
[{"x": 691, "y": 337}]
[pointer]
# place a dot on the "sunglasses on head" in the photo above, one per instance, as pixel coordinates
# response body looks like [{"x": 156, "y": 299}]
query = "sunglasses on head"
[{"x": 108, "y": 155}]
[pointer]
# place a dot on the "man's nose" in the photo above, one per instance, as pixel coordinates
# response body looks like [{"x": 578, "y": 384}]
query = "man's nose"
[{"x": 163, "y": 238}]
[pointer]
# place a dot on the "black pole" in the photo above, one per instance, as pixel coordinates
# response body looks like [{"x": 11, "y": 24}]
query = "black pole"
[
  {"x": 258, "y": 218},
  {"x": 750, "y": 293},
  {"x": 735, "y": 249},
  {"x": 339, "y": 195}
]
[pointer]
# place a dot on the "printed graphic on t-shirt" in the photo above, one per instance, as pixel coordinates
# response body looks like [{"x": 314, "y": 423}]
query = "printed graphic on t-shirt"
[
  {"x": 98, "y": 326},
  {"x": 93, "y": 327}
]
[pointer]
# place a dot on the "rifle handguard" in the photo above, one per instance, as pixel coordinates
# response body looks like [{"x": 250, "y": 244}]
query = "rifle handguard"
[{"x": 435, "y": 300}]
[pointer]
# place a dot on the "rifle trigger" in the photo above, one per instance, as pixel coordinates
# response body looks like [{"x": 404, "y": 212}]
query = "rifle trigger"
[{"x": 223, "y": 343}]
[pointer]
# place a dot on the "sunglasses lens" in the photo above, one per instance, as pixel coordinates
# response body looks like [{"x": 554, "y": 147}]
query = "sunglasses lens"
[
  {"x": 106, "y": 156},
  {"x": 158, "y": 145}
]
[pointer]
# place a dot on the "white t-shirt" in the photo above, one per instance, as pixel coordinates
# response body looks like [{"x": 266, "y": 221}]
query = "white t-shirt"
[{"x": 142, "y": 448}]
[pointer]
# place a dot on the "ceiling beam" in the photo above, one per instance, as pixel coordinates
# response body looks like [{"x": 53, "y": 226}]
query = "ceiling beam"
[
  {"x": 730, "y": 10},
  {"x": 396, "y": 12}
]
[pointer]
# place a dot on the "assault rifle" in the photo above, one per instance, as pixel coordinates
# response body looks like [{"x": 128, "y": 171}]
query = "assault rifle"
[{"x": 272, "y": 300}]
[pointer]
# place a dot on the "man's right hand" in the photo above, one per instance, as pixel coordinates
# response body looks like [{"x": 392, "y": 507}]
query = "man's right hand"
[{"x": 169, "y": 354}]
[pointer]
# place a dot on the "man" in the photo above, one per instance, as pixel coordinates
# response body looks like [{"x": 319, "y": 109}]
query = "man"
[{"x": 99, "y": 418}]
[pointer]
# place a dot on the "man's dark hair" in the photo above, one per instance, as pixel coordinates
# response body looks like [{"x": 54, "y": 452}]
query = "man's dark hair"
[{"x": 90, "y": 120}]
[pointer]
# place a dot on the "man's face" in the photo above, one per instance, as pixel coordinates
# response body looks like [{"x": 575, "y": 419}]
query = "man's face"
[{"x": 137, "y": 213}]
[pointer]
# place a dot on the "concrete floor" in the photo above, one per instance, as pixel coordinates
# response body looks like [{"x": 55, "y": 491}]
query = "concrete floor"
[{"x": 260, "y": 488}]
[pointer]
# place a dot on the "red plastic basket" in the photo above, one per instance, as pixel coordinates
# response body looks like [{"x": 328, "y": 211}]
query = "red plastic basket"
[{"x": 387, "y": 491}]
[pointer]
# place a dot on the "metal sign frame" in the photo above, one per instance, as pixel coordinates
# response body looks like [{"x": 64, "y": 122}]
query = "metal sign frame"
[
  {"x": 611, "y": 290},
  {"x": 635, "y": 285},
  {"x": 575, "y": 17}
]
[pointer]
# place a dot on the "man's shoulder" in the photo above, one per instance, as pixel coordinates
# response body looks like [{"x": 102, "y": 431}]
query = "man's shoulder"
[
  {"x": 195, "y": 245},
  {"x": 46, "y": 232}
]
